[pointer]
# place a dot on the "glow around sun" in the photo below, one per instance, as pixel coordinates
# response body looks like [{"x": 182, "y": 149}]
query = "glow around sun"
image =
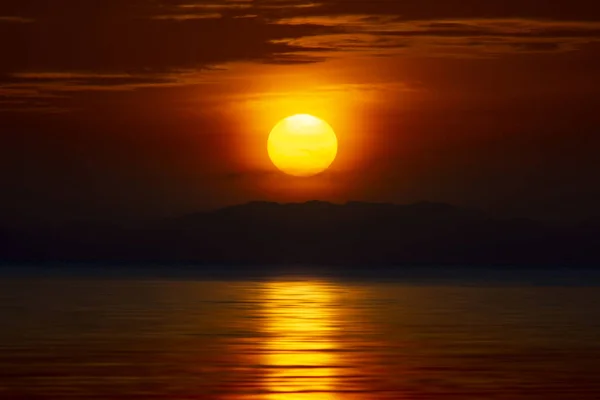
[{"x": 302, "y": 145}]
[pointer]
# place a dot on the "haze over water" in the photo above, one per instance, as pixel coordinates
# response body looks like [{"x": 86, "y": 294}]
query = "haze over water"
[{"x": 305, "y": 337}]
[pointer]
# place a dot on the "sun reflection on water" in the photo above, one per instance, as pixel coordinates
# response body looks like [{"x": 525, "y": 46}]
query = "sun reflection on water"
[{"x": 300, "y": 349}]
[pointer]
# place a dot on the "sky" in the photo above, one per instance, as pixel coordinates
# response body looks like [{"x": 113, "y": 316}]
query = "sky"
[{"x": 116, "y": 110}]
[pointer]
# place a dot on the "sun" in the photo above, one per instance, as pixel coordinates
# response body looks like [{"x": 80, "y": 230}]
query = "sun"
[{"x": 302, "y": 145}]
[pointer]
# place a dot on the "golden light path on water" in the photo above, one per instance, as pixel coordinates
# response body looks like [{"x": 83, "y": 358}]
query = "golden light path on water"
[
  {"x": 300, "y": 351},
  {"x": 306, "y": 338}
]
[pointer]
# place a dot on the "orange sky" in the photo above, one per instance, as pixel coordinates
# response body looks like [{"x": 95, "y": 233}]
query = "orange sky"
[{"x": 150, "y": 108}]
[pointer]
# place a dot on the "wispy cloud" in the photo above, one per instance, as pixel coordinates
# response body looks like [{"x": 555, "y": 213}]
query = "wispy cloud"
[
  {"x": 388, "y": 35},
  {"x": 15, "y": 20},
  {"x": 117, "y": 45},
  {"x": 185, "y": 17}
]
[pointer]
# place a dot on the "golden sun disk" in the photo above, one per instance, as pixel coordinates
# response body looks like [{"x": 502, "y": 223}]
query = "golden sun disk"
[{"x": 302, "y": 145}]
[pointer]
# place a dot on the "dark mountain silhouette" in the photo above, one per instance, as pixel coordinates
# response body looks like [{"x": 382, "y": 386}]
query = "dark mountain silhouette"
[{"x": 317, "y": 232}]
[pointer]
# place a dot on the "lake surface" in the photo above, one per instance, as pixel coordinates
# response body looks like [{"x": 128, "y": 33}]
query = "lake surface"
[{"x": 509, "y": 335}]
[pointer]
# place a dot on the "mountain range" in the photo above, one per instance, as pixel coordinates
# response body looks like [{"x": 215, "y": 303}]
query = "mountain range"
[{"x": 316, "y": 233}]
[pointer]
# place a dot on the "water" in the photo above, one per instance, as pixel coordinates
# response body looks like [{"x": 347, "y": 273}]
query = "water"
[{"x": 307, "y": 337}]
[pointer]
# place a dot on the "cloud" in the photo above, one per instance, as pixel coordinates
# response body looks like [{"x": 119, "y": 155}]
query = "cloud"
[
  {"x": 386, "y": 34},
  {"x": 125, "y": 45},
  {"x": 184, "y": 17},
  {"x": 15, "y": 20},
  {"x": 30, "y": 98},
  {"x": 142, "y": 39},
  {"x": 574, "y": 10}
]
